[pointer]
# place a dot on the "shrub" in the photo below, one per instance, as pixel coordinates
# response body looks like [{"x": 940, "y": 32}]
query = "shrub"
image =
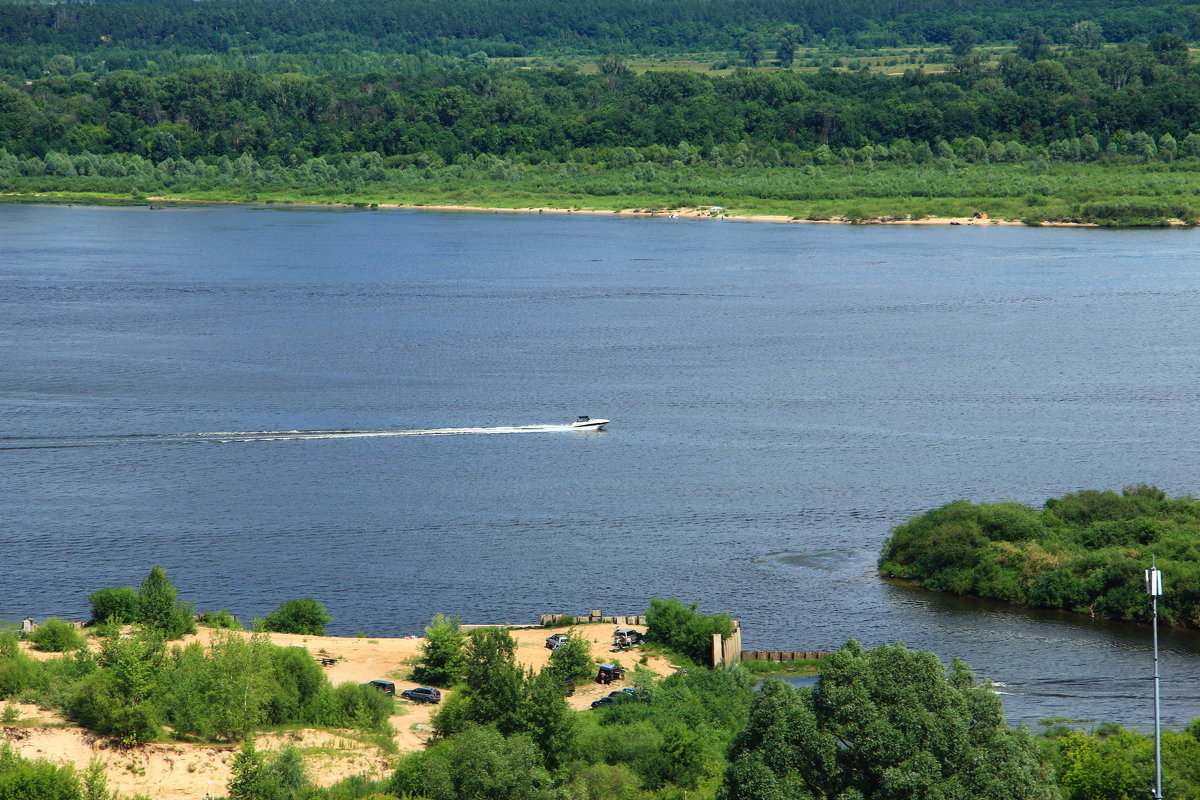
[
  {"x": 158, "y": 610},
  {"x": 672, "y": 624},
  {"x": 17, "y": 670},
  {"x": 114, "y": 604},
  {"x": 573, "y": 661},
  {"x": 220, "y": 619},
  {"x": 56, "y": 636},
  {"x": 442, "y": 652},
  {"x": 21, "y": 778},
  {"x": 305, "y": 616}
]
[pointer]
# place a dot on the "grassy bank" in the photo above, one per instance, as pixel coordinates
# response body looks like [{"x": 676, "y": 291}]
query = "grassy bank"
[
  {"x": 1034, "y": 192},
  {"x": 800, "y": 668}
]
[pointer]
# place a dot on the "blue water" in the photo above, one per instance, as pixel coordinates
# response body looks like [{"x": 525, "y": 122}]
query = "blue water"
[{"x": 781, "y": 396}]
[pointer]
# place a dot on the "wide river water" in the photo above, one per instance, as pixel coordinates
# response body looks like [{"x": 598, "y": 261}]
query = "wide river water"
[{"x": 370, "y": 408}]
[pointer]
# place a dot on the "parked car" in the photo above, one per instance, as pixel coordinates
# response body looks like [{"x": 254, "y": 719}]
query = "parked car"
[
  {"x": 557, "y": 640},
  {"x": 628, "y": 636},
  {"x": 422, "y": 694},
  {"x": 619, "y": 696},
  {"x": 609, "y": 673},
  {"x": 387, "y": 687}
]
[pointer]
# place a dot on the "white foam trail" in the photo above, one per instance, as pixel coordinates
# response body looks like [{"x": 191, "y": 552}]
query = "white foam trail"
[
  {"x": 232, "y": 437},
  {"x": 268, "y": 436}
]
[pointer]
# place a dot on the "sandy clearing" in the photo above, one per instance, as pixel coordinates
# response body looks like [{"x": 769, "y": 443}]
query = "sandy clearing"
[{"x": 179, "y": 771}]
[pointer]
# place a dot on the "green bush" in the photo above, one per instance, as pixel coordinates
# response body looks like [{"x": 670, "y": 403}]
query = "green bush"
[
  {"x": 56, "y": 636},
  {"x": 158, "y": 610},
  {"x": 114, "y": 604},
  {"x": 23, "y": 779},
  {"x": 671, "y": 624},
  {"x": 17, "y": 670},
  {"x": 220, "y": 619},
  {"x": 442, "y": 652},
  {"x": 573, "y": 661},
  {"x": 305, "y": 616}
]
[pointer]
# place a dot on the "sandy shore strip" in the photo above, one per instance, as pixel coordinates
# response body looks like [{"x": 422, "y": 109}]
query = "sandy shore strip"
[{"x": 715, "y": 213}]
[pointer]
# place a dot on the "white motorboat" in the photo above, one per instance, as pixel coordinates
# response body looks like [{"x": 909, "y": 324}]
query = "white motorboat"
[{"x": 588, "y": 424}]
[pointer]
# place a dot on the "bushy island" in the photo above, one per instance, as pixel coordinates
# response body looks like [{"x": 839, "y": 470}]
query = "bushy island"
[{"x": 1085, "y": 552}]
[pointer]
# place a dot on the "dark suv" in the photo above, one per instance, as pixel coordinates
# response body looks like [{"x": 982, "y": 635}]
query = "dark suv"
[{"x": 422, "y": 694}]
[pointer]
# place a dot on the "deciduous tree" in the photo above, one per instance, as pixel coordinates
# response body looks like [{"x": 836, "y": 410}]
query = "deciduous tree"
[{"x": 885, "y": 723}]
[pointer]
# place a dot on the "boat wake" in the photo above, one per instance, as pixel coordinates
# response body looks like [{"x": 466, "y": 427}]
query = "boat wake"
[{"x": 234, "y": 437}]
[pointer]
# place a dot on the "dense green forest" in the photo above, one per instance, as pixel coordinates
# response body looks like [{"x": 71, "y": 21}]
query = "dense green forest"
[
  {"x": 309, "y": 100},
  {"x": 519, "y": 27},
  {"x": 1085, "y": 552},
  {"x": 1134, "y": 103}
]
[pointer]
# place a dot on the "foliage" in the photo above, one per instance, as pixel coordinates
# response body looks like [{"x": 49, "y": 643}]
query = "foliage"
[
  {"x": 1111, "y": 763},
  {"x": 118, "y": 604},
  {"x": 479, "y": 762},
  {"x": 672, "y": 624},
  {"x": 467, "y": 27},
  {"x": 220, "y": 619},
  {"x": 573, "y": 661},
  {"x": 888, "y": 723},
  {"x": 306, "y": 616},
  {"x": 17, "y": 670},
  {"x": 95, "y": 782},
  {"x": 282, "y": 776},
  {"x": 441, "y": 652},
  {"x": 158, "y": 610},
  {"x": 1084, "y": 552},
  {"x": 56, "y": 636},
  {"x": 494, "y": 682},
  {"x": 23, "y": 779},
  {"x": 135, "y": 688}
]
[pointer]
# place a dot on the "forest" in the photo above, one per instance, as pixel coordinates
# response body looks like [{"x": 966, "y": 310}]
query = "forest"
[
  {"x": 1135, "y": 103},
  {"x": 504, "y": 28},
  {"x": 1088, "y": 135},
  {"x": 1085, "y": 552},
  {"x": 1085, "y": 117}
]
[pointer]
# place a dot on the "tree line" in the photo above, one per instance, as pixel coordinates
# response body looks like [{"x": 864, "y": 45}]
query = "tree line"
[
  {"x": 1084, "y": 105},
  {"x": 504, "y": 28}
]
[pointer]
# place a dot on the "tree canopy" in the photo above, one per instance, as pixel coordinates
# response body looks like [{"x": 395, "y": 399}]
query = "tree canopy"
[{"x": 889, "y": 723}]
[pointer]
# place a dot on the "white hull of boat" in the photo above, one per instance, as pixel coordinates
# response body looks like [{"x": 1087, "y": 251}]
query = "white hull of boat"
[{"x": 589, "y": 424}]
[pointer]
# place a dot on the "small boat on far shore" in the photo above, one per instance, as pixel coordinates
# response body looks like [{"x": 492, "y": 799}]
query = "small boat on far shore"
[{"x": 588, "y": 424}]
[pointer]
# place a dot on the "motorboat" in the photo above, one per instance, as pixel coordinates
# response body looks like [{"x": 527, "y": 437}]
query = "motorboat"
[{"x": 588, "y": 424}]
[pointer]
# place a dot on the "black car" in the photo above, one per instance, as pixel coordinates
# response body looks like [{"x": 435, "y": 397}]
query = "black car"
[
  {"x": 387, "y": 687},
  {"x": 604, "y": 701},
  {"x": 422, "y": 694}
]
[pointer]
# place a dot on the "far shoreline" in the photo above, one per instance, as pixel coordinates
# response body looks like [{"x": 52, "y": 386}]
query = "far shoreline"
[{"x": 705, "y": 213}]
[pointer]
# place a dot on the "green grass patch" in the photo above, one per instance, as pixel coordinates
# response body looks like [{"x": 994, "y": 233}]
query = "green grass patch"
[{"x": 800, "y": 668}]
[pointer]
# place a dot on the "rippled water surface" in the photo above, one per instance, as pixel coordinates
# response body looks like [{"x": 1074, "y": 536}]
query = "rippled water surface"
[{"x": 371, "y": 408}]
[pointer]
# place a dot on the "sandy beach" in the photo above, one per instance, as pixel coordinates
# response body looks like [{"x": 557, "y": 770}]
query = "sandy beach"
[{"x": 175, "y": 771}]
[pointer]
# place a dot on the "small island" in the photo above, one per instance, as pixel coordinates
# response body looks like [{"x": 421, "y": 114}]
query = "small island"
[{"x": 1084, "y": 552}]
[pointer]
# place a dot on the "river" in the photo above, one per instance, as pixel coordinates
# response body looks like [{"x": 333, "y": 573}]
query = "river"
[{"x": 371, "y": 407}]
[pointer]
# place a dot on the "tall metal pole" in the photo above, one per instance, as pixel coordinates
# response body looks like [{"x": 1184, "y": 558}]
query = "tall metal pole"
[{"x": 1154, "y": 587}]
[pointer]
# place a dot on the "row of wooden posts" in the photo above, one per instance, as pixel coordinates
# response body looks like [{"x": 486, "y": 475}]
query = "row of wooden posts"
[{"x": 783, "y": 655}]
